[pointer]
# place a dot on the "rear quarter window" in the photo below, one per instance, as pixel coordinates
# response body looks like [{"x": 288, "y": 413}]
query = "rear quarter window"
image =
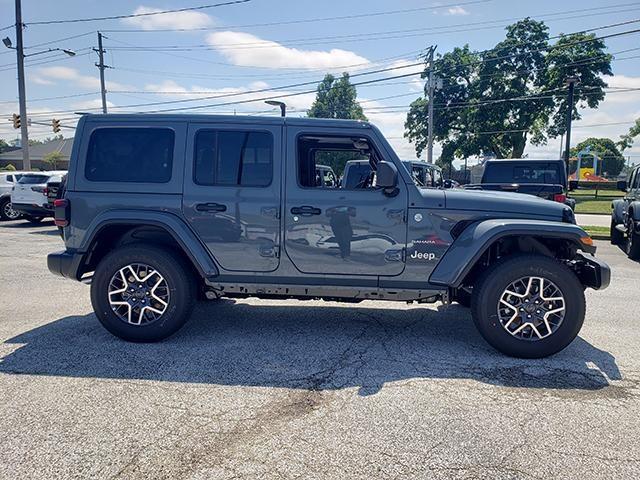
[{"x": 124, "y": 154}]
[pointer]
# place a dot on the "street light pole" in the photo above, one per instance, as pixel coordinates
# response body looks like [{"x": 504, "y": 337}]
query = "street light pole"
[
  {"x": 22, "y": 95},
  {"x": 571, "y": 82}
]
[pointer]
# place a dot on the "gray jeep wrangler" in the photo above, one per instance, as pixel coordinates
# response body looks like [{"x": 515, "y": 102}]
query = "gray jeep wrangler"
[{"x": 160, "y": 210}]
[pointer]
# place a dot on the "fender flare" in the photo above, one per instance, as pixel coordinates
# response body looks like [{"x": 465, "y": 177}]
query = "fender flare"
[
  {"x": 476, "y": 239},
  {"x": 172, "y": 224},
  {"x": 635, "y": 207},
  {"x": 617, "y": 211}
]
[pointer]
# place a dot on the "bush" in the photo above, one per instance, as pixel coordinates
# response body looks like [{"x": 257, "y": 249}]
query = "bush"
[{"x": 9, "y": 168}]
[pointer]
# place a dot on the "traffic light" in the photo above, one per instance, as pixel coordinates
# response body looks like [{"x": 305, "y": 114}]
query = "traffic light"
[
  {"x": 56, "y": 125},
  {"x": 16, "y": 121}
]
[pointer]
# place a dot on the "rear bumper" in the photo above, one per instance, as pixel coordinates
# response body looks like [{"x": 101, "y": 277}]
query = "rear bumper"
[
  {"x": 592, "y": 272},
  {"x": 33, "y": 210},
  {"x": 65, "y": 264}
]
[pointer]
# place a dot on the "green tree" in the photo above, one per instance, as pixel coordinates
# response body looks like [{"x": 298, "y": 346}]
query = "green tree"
[
  {"x": 53, "y": 159},
  {"x": 3, "y": 146},
  {"x": 497, "y": 101},
  {"x": 627, "y": 140},
  {"x": 336, "y": 98},
  {"x": 607, "y": 150}
]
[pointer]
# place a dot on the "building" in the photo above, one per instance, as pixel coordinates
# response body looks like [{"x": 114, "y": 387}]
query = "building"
[{"x": 37, "y": 154}]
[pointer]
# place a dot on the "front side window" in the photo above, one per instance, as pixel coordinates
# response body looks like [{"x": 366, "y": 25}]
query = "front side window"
[
  {"x": 121, "y": 154},
  {"x": 346, "y": 162},
  {"x": 233, "y": 158}
]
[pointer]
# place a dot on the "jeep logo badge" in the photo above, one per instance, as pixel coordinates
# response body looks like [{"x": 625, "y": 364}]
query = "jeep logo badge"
[{"x": 423, "y": 256}]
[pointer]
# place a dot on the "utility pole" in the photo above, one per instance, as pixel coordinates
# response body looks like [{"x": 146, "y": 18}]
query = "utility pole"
[
  {"x": 24, "y": 132},
  {"x": 101, "y": 66},
  {"x": 430, "y": 89},
  {"x": 571, "y": 82}
]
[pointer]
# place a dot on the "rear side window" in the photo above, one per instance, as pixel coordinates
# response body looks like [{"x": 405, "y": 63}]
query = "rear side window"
[
  {"x": 233, "y": 158},
  {"x": 143, "y": 155},
  {"x": 33, "y": 179},
  {"x": 512, "y": 173}
]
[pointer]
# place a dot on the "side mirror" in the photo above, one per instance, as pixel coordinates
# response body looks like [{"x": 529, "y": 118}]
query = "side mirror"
[
  {"x": 447, "y": 184},
  {"x": 622, "y": 185},
  {"x": 386, "y": 175}
]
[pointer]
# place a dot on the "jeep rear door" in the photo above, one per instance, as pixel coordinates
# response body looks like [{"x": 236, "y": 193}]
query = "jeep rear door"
[
  {"x": 232, "y": 192},
  {"x": 347, "y": 229}
]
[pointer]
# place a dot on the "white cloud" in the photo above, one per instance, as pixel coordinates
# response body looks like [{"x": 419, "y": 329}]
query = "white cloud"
[
  {"x": 93, "y": 104},
  {"x": 265, "y": 53},
  {"x": 417, "y": 83},
  {"x": 457, "y": 10},
  {"x": 51, "y": 74},
  {"x": 185, "y": 20}
]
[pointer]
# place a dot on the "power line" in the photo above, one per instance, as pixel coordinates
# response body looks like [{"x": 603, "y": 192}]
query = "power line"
[
  {"x": 312, "y": 20},
  {"x": 135, "y": 15}
]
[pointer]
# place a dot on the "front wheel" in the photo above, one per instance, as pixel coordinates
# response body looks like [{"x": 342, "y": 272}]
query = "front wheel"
[
  {"x": 7, "y": 212},
  {"x": 617, "y": 237},
  {"x": 143, "y": 293},
  {"x": 633, "y": 241},
  {"x": 528, "y": 306}
]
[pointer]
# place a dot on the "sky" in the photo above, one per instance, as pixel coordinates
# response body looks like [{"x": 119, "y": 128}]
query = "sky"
[{"x": 262, "y": 44}]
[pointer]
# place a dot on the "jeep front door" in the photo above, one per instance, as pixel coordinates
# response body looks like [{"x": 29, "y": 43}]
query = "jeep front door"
[
  {"x": 232, "y": 194},
  {"x": 353, "y": 229}
]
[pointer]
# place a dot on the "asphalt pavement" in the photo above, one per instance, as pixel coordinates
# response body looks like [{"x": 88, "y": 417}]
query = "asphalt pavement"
[{"x": 291, "y": 389}]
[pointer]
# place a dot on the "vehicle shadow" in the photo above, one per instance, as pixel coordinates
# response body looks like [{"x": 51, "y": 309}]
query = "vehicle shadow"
[
  {"x": 318, "y": 347},
  {"x": 27, "y": 224}
]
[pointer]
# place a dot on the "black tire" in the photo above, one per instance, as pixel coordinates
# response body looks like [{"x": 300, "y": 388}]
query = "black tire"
[
  {"x": 617, "y": 237},
  {"x": 181, "y": 286},
  {"x": 489, "y": 288},
  {"x": 33, "y": 220},
  {"x": 633, "y": 241},
  {"x": 463, "y": 298},
  {"x": 5, "y": 207}
]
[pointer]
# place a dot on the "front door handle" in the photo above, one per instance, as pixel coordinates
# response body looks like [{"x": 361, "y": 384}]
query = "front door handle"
[
  {"x": 211, "y": 207},
  {"x": 306, "y": 211}
]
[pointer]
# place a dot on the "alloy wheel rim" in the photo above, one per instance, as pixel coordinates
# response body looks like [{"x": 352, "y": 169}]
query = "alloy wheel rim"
[
  {"x": 629, "y": 236},
  {"x": 531, "y": 308},
  {"x": 138, "y": 294},
  {"x": 9, "y": 212}
]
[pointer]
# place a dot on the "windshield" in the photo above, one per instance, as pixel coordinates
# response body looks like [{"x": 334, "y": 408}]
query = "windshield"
[
  {"x": 518, "y": 173},
  {"x": 33, "y": 179}
]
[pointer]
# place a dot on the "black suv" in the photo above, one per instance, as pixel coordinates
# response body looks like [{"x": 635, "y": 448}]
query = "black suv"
[
  {"x": 542, "y": 178},
  {"x": 161, "y": 209},
  {"x": 625, "y": 216}
]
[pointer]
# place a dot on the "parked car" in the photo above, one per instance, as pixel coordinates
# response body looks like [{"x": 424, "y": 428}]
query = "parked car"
[
  {"x": 144, "y": 191},
  {"x": 625, "y": 216},
  {"x": 326, "y": 177},
  {"x": 425, "y": 174},
  {"x": 29, "y": 195},
  {"x": 542, "y": 178},
  {"x": 7, "y": 181}
]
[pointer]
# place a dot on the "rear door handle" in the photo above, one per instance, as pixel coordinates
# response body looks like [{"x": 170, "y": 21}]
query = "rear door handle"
[
  {"x": 305, "y": 211},
  {"x": 211, "y": 207}
]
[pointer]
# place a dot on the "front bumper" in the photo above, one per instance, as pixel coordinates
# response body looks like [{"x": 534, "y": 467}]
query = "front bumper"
[
  {"x": 65, "y": 264},
  {"x": 32, "y": 210},
  {"x": 592, "y": 272}
]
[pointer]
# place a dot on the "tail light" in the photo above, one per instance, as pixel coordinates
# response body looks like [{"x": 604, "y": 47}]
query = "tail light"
[
  {"x": 61, "y": 208},
  {"x": 560, "y": 197}
]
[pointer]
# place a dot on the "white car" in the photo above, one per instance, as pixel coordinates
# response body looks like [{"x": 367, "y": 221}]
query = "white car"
[
  {"x": 7, "y": 181},
  {"x": 29, "y": 194}
]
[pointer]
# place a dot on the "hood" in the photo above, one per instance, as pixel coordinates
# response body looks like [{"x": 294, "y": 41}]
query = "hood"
[{"x": 504, "y": 202}]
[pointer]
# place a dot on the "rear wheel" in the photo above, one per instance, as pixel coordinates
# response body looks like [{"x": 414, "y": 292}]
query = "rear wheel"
[
  {"x": 143, "y": 293},
  {"x": 528, "y": 306},
  {"x": 617, "y": 237},
  {"x": 7, "y": 212},
  {"x": 633, "y": 241}
]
